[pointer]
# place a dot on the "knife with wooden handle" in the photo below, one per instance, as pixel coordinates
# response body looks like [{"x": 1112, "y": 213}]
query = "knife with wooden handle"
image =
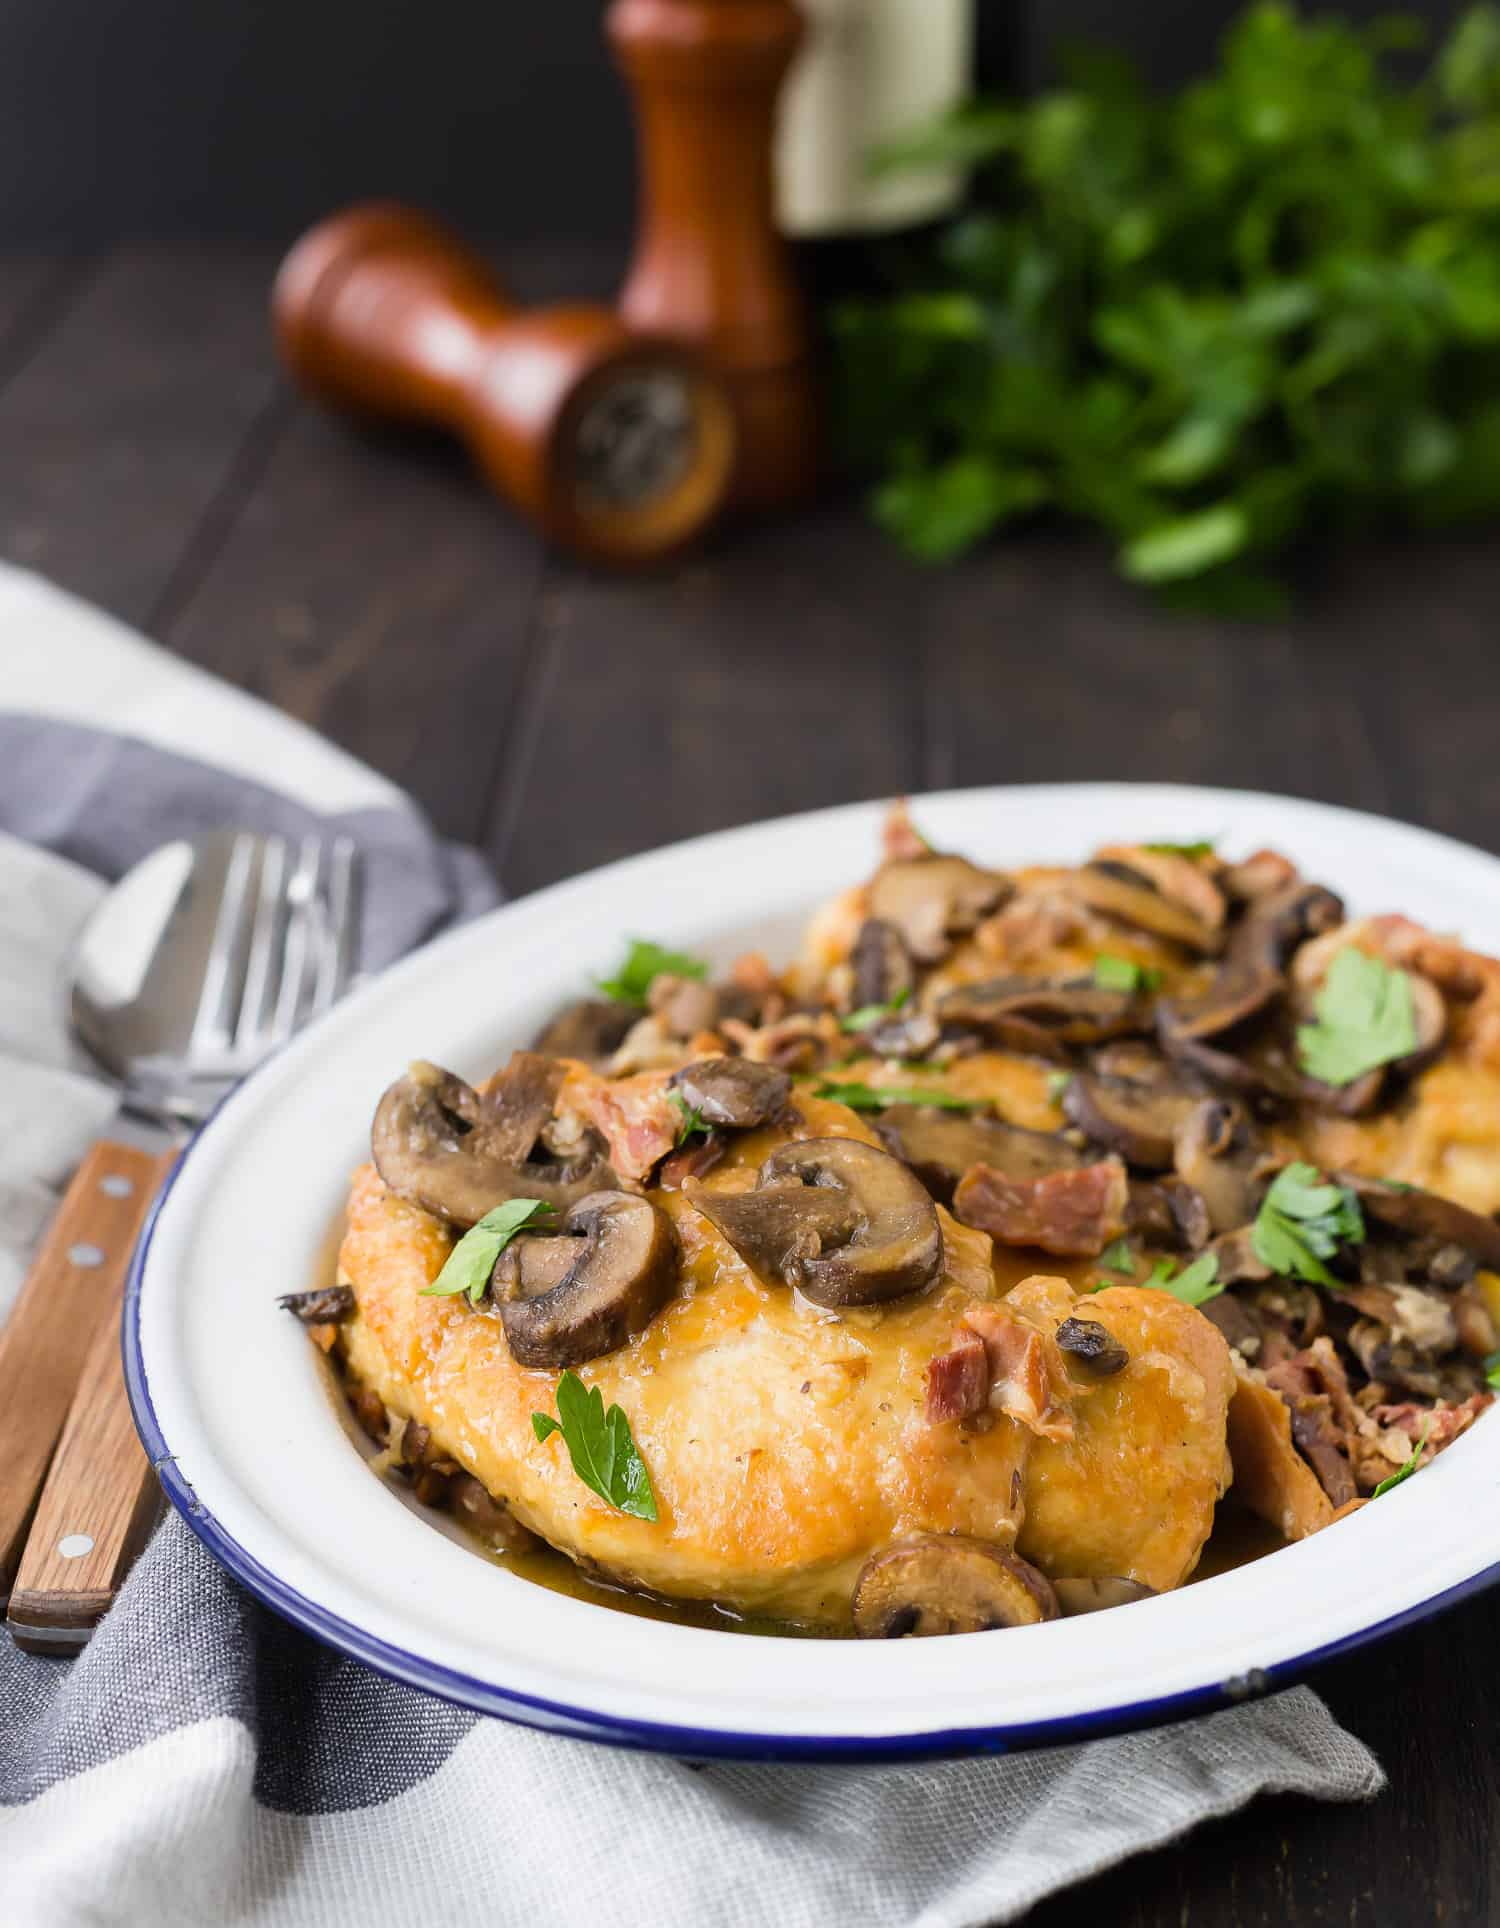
[{"x": 60, "y": 1364}]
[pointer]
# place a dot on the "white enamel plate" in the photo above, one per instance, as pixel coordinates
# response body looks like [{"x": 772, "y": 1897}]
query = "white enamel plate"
[{"x": 230, "y": 1400}]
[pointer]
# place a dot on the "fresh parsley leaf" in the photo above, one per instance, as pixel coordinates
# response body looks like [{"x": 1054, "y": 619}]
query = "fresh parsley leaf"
[
  {"x": 1118, "y": 1257},
  {"x": 691, "y": 1115},
  {"x": 1204, "y": 847},
  {"x": 868, "y": 1097},
  {"x": 470, "y": 1263},
  {"x": 644, "y": 963},
  {"x": 869, "y": 1015},
  {"x": 1057, "y": 1084},
  {"x": 1121, "y": 974},
  {"x": 1492, "y": 1371},
  {"x": 1303, "y": 1221},
  {"x": 600, "y": 1446},
  {"x": 1196, "y": 1284},
  {"x": 1365, "y": 1018},
  {"x": 1408, "y": 1467}
]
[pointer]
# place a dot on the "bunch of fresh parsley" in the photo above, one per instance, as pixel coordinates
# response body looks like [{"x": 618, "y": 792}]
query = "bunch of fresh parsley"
[{"x": 1212, "y": 322}]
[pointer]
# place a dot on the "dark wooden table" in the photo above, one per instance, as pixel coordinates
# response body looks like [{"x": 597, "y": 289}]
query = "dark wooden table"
[{"x": 151, "y": 458}]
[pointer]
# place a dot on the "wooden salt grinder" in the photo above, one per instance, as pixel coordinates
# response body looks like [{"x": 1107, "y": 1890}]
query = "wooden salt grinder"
[
  {"x": 710, "y": 266},
  {"x": 619, "y": 444}
]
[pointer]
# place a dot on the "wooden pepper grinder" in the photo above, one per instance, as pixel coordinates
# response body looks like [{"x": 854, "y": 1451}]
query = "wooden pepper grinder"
[
  {"x": 710, "y": 266},
  {"x": 619, "y": 443}
]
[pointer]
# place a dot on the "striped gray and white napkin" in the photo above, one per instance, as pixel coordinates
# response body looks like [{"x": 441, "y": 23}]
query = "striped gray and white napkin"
[{"x": 203, "y": 1762}]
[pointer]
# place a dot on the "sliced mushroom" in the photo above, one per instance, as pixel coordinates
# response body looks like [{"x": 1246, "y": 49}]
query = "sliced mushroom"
[
  {"x": 1043, "y": 1015},
  {"x": 1124, "y": 891},
  {"x": 532, "y": 1265},
  {"x": 1173, "y": 875},
  {"x": 1138, "y": 1120},
  {"x": 940, "y": 1146},
  {"x": 326, "y": 1306},
  {"x": 907, "y": 1034},
  {"x": 734, "y": 1092},
  {"x": 1217, "y": 1154},
  {"x": 685, "y": 1005},
  {"x": 592, "y": 1029},
  {"x": 843, "y": 1221},
  {"x": 1250, "y": 978},
  {"x": 1093, "y": 1346},
  {"x": 612, "y": 1290},
  {"x": 439, "y": 1146},
  {"x": 933, "y": 899},
  {"x": 881, "y": 965},
  {"x": 1426, "y": 1215},
  {"x": 1093, "y": 1596},
  {"x": 947, "y": 1583}
]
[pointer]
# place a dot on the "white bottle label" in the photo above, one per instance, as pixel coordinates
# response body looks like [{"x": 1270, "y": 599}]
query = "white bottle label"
[{"x": 868, "y": 70}]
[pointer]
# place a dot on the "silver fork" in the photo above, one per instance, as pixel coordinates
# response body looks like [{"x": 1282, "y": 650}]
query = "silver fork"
[
  {"x": 204, "y": 960},
  {"x": 280, "y": 952}
]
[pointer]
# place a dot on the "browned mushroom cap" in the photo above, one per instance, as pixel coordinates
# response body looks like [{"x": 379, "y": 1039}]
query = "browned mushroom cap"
[
  {"x": 940, "y": 1146},
  {"x": 592, "y": 1029},
  {"x": 880, "y": 964},
  {"x": 325, "y": 1306},
  {"x": 1137, "y": 1118},
  {"x": 1043, "y": 1015},
  {"x": 612, "y": 1290},
  {"x": 843, "y": 1221},
  {"x": 947, "y": 1583},
  {"x": 733, "y": 1091},
  {"x": 1218, "y": 1155},
  {"x": 1092, "y": 1596},
  {"x": 1430, "y": 1013},
  {"x": 933, "y": 899},
  {"x": 438, "y": 1145},
  {"x": 1250, "y": 977},
  {"x": 1150, "y": 896},
  {"x": 1426, "y": 1215}
]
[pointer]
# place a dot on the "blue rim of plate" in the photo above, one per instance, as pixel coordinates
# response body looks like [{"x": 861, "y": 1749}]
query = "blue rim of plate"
[{"x": 582, "y": 1723}]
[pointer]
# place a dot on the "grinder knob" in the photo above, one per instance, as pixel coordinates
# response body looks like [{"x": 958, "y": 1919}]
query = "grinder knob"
[{"x": 619, "y": 445}]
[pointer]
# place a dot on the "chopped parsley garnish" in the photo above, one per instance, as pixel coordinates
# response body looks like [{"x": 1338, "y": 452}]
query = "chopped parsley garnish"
[
  {"x": 1057, "y": 1084},
  {"x": 644, "y": 963},
  {"x": 691, "y": 1115},
  {"x": 868, "y": 1097},
  {"x": 599, "y": 1444},
  {"x": 1492, "y": 1371},
  {"x": 1121, "y": 974},
  {"x": 1303, "y": 1221},
  {"x": 1410, "y": 1466},
  {"x": 1204, "y": 847},
  {"x": 470, "y": 1263},
  {"x": 1196, "y": 1284},
  {"x": 869, "y": 1015},
  {"x": 1365, "y": 1018},
  {"x": 1118, "y": 1257}
]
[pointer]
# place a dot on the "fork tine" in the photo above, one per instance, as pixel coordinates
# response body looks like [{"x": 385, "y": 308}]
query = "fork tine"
[
  {"x": 299, "y": 958},
  {"x": 263, "y": 967},
  {"x": 219, "y": 998},
  {"x": 341, "y": 932}
]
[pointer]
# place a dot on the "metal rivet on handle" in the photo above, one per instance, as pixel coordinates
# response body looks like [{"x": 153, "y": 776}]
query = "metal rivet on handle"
[
  {"x": 85, "y": 1255},
  {"x": 116, "y": 1186},
  {"x": 75, "y": 1546}
]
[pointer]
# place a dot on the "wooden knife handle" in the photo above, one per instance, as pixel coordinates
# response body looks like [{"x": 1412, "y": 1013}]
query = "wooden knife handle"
[
  {"x": 96, "y": 1509},
  {"x": 71, "y": 1294}
]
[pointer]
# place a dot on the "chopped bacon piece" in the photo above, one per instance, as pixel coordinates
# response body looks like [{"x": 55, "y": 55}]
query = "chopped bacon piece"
[
  {"x": 899, "y": 836},
  {"x": 637, "y": 1120},
  {"x": 1072, "y": 1213},
  {"x": 1023, "y": 1381},
  {"x": 1447, "y": 1421},
  {"x": 958, "y": 1381}
]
